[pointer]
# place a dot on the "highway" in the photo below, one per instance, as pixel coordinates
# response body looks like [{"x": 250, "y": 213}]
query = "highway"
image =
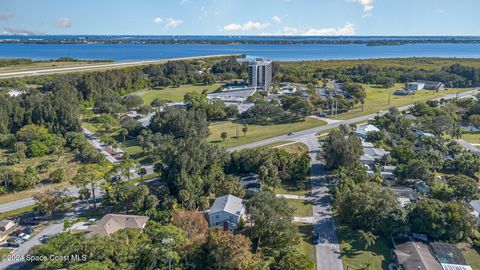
[{"x": 94, "y": 67}]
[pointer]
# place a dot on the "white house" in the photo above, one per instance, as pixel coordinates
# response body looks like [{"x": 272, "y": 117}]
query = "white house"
[
  {"x": 363, "y": 130},
  {"x": 414, "y": 86},
  {"x": 226, "y": 212},
  {"x": 476, "y": 207}
]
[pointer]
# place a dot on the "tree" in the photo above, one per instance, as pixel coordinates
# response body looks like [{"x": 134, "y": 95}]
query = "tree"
[
  {"x": 464, "y": 187},
  {"x": 124, "y": 133},
  {"x": 450, "y": 221},
  {"x": 245, "y": 130},
  {"x": 468, "y": 164},
  {"x": 474, "y": 120},
  {"x": 58, "y": 147},
  {"x": 31, "y": 175},
  {"x": 57, "y": 176},
  {"x": 224, "y": 135},
  {"x": 228, "y": 251},
  {"x": 380, "y": 212},
  {"x": 89, "y": 174},
  {"x": 180, "y": 123},
  {"x": 271, "y": 218},
  {"x": 141, "y": 171},
  {"x": 341, "y": 149},
  {"x": 158, "y": 104},
  {"x": 367, "y": 238},
  {"x": 291, "y": 258},
  {"x": 193, "y": 223},
  {"x": 20, "y": 149},
  {"x": 126, "y": 197},
  {"x": 50, "y": 201}
]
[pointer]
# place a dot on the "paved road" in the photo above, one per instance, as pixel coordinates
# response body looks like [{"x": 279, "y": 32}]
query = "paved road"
[
  {"x": 312, "y": 131},
  {"x": 328, "y": 251},
  {"x": 468, "y": 146},
  {"x": 99, "y": 66}
]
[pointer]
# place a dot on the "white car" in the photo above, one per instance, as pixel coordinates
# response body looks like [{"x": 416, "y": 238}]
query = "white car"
[{"x": 24, "y": 236}]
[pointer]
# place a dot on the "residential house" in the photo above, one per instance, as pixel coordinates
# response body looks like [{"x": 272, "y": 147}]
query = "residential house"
[
  {"x": 226, "y": 212},
  {"x": 363, "y": 130},
  {"x": 475, "y": 204},
  {"x": 422, "y": 187},
  {"x": 432, "y": 85},
  {"x": 110, "y": 223},
  {"x": 414, "y": 86},
  {"x": 405, "y": 195},
  {"x": 420, "y": 133},
  {"x": 449, "y": 256},
  {"x": 6, "y": 228},
  {"x": 414, "y": 255}
]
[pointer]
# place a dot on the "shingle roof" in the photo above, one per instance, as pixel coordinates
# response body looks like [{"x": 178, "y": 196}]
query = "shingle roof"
[
  {"x": 414, "y": 255},
  {"x": 227, "y": 203},
  {"x": 476, "y": 205},
  {"x": 111, "y": 223}
]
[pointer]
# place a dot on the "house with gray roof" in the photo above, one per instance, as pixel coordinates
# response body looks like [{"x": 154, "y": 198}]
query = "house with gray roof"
[
  {"x": 363, "y": 130},
  {"x": 226, "y": 212}
]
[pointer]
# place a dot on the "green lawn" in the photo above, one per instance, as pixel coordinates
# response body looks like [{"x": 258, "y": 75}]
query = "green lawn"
[
  {"x": 302, "y": 208},
  {"x": 174, "y": 94},
  {"x": 4, "y": 252},
  {"x": 256, "y": 132},
  {"x": 305, "y": 245},
  {"x": 377, "y": 99},
  {"x": 472, "y": 257},
  {"x": 295, "y": 148},
  {"x": 17, "y": 212},
  {"x": 287, "y": 188},
  {"x": 358, "y": 255},
  {"x": 471, "y": 136}
]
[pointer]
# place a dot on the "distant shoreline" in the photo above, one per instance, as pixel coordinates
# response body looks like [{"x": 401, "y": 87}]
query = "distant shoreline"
[{"x": 235, "y": 40}]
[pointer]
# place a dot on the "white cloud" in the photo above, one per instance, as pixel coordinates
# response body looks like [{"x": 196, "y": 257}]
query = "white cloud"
[
  {"x": 6, "y": 15},
  {"x": 157, "y": 20},
  {"x": 367, "y": 4},
  {"x": 347, "y": 30},
  {"x": 64, "y": 22},
  {"x": 246, "y": 26},
  {"x": 276, "y": 19},
  {"x": 184, "y": 2},
  {"x": 439, "y": 11},
  {"x": 172, "y": 23}
]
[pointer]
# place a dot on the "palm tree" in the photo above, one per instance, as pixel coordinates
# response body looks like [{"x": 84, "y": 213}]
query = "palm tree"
[
  {"x": 124, "y": 133},
  {"x": 367, "y": 237}
]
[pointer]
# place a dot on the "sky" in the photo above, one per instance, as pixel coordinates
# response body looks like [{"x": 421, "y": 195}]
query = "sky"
[{"x": 241, "y": 17}]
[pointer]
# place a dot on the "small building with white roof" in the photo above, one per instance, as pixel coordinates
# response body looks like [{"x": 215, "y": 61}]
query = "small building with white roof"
[
  {"x": 363, "y": 130},
  {"x": 226, "y": 212}
]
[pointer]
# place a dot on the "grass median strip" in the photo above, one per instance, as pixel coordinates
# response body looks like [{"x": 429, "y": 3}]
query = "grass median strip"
[{"x": 255, "y": 132}]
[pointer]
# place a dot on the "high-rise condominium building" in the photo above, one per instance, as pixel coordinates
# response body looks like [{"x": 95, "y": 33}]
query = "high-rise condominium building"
[{"x": 260, "y": 74}]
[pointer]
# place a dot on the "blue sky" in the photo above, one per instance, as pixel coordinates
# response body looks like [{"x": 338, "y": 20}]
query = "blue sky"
[{"x": 241, "y": 17}]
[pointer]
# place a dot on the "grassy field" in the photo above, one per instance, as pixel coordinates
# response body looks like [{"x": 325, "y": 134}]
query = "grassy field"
[
  {"x": 302, "y": 208},
  {"x": 358, "y": 255},
  {"x": 46, "y": 65},
  {"x": 174, "y": 94},
  {"x": 4, "y": 252},
  {"x": 294, "y": 148},
  {"x": 377, "y": 99},
  {"x": 471, "y": 255},
  {"x": 256, "y": 132},
  {"x": 17, "y": 212},
  {"x": 471, "y": 136},
  {"x": 286, "y": 188},
  {"x": 305, "y": 245}
]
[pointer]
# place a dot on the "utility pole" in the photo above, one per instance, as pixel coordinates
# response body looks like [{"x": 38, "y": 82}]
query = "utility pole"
[
  {"x": 236, "y": 131},
  {"x": 389, "y": 95}
]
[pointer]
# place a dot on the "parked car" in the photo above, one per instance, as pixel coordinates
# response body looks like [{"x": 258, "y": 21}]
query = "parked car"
[
  {"x": 15, "y": 241},
  {"x": 44, "y": 238},
  {"x": 290, "y": 133},
  {"x": 24, "y": 236},
  {"x": 252, "y": 185}
]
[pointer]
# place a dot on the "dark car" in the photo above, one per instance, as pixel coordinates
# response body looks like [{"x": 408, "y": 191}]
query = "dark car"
[
  {"x": 44, "y": 238},
  {"x": 252, "y": 185},
  {"x": 290, "y": 133}
]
